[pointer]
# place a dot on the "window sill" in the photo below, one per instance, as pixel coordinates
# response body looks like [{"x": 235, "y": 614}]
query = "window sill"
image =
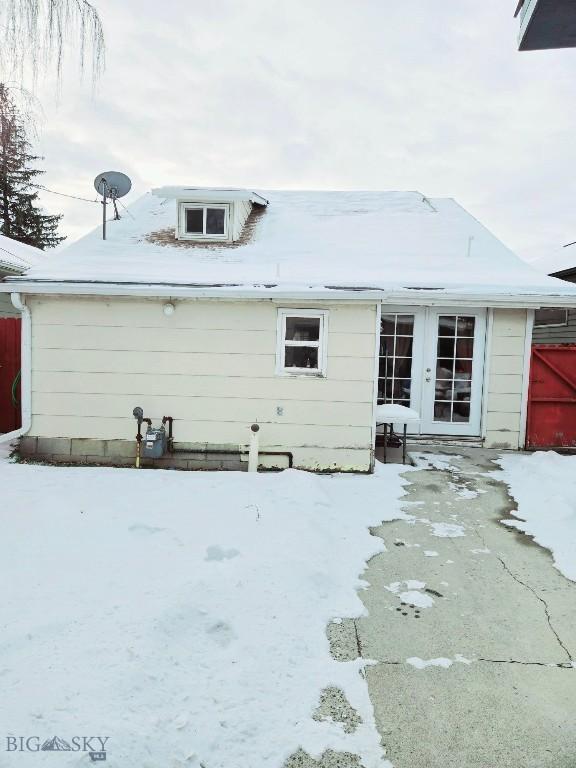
[
  {"x": 203, "y": 238},
  {"x": 300, "y": 374}
]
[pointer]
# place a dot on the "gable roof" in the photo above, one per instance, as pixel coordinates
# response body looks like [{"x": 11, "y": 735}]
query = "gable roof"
[
  {"x": 305, "y": 243},
  {"x": 17, "y": 257}
]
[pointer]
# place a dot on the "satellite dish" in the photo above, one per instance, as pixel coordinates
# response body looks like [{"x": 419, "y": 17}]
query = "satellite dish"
[{"x": 111, "y": 185}]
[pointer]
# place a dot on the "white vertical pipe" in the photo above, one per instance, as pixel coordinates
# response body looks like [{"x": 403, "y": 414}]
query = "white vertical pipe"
[
  {"x": 254, "y": 447},
  {"x": 530, "y": 313}
]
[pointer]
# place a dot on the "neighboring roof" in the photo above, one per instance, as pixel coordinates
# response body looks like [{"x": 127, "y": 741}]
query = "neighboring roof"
[
  {"x": 17, "y": 257},
  {"x": 393, "y": 243},
  {"x": 546, "y": 24}
]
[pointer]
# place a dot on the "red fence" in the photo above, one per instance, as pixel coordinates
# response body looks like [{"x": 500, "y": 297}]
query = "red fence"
[
  {"x": 9, "y": 368},
  {"x": 552, "y": 397}
]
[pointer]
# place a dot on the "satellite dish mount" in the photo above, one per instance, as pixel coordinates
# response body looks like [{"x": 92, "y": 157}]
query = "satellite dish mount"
[{"x": 111, "y": 185}]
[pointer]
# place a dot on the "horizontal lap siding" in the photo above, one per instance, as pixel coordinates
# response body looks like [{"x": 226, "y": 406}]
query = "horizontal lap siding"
[
  {"x": 229, "y": 409},
  {"x": 178, "y": 385},
  {"x": 187, "y": 341},
  {"x": 505, "y": 380},
  {"x": 211, "y": 365},
  {"x": 560, "y": 334},
  {"x": 222, "y": 365},
  {"x": 277, "y": 436},
  {"x": 7, "y": 309}
]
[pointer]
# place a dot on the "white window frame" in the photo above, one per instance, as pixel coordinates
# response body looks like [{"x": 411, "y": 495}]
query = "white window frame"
[
  {"x": 321, "y": 344},
  {"x": 562, "y": 324},
  {"x": 184, "y": 235}
]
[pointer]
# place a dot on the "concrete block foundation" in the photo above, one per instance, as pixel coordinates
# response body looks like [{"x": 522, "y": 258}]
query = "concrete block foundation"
[{"x": 122, "y": 453}]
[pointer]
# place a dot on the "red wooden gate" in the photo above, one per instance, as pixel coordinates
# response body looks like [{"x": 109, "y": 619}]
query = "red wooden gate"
[
  {"x": 552, "y": 397},
  {"x": 9, "y": 369}
]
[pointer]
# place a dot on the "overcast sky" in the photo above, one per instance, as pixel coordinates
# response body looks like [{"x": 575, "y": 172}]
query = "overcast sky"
[{"x": 325, "y": 94}]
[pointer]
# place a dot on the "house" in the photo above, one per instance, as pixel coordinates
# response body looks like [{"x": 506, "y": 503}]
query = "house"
[
  {"x": 15, "y": 259},
  {"x": 557, "y": 325},
  {"x": 298, "y": 311},
  {"x": 546, "y": 24}
]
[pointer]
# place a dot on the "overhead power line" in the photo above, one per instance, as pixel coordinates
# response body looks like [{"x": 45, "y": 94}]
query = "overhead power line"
[{"x": 64, "y": 194}]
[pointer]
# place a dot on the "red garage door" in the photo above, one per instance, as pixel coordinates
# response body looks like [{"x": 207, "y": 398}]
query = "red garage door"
[
  {"x": 9, "y": 369},
  {"x": 552, "y": 397}
]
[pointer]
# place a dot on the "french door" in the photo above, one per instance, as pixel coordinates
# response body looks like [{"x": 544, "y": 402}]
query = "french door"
[{"x": 432, "y": 360}]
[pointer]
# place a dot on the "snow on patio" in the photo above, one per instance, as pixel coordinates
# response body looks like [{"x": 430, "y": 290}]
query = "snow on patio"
[
  {"x": 183, "y": 615},
  {"x": 543, "y": 485}
]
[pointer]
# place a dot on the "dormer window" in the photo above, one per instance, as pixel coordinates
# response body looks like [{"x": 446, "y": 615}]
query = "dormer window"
[{"x": 203, "y": 222}]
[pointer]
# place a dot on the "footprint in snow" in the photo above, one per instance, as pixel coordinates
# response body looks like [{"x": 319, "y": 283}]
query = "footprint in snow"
[
  {"x": 217, "y": 553},
  {"x": 222, "y": 633},
  {"x": 142, "y": 528}
]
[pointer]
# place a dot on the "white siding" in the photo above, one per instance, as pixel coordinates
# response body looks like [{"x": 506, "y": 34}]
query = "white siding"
[
  {"x": 211, "y": 366},
  {"x": 240, "y": 212},
  {"x": 506, "y": 379}
]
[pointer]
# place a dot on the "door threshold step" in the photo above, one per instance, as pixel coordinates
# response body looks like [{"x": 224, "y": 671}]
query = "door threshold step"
[{"x": 470, "y": 442}]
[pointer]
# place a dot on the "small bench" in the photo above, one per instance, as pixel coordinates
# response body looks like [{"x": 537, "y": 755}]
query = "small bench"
[{"x": 391, "y": 413}]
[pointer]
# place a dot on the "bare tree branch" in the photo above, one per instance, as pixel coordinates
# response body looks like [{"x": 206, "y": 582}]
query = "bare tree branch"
[{"x": 34, "y": 35}]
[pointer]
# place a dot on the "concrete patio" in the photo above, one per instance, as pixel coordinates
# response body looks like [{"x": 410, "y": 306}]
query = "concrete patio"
[{"x": 472, "y": 629}]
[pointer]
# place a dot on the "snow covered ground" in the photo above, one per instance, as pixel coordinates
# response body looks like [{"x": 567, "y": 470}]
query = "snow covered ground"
[
  {"x": 183, "y": 615},
  {"x": 543, "y": 485}
]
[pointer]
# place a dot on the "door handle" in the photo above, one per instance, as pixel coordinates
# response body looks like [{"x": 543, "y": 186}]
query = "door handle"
[{"x": 428, "y": 378}]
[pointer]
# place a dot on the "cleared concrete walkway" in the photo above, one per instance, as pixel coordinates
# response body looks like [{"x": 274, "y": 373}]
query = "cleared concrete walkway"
[{"x": 500, "y": 618}]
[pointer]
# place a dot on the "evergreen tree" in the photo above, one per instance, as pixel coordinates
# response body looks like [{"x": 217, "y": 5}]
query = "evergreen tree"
[{"x": 20, "y": 217}]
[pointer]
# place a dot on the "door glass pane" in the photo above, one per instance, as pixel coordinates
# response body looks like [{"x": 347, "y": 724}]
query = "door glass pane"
[
  {"x": 301, "y": 357},
  {"x": 395, "y": 365},
  {"x": 446, "y": 347},
  {"x": 302, "y": 328},
  {"x": 402, "y": 367},
  {"x": 453, "y": 390},
  {"x": 215, "y": 221},
  {"x": 195, "y": 221},
  {"x": 447, "y": 325},
  {"x": 461, "y": 412},
  {"x": 444, "y": 368},
  {"x": 405, "y": 325},
  {"x": 387, "y": 345},
  {"x": 464, "y": 347},
  {"x": 386, "y": 365},
  {"x": 466, "y": 326},
  {"x": 402, "y": 389},
  {"x": 463, "y": 369},
  {"x": 387, "y": 325},
  {"x": 442, "y": 411},
  {"x": 444, "y": 389},
  {"x": 404, "y": 346},
  {"x": 462, "y": 390}
]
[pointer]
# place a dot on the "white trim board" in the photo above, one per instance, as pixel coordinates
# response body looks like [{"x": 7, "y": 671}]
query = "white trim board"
[
  {"x": 293, "y": 293},
  {"x": 526, "y": 378}
]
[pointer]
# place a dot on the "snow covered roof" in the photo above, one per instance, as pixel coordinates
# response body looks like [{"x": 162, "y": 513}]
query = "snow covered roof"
[
  {"x": 17, "y": 257},
  {"x": 394, "y": 244},
  {"x": 209, "y": 194}
]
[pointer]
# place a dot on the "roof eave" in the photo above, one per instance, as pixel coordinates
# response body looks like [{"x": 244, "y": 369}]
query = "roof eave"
[
  {"x": 12, "y": 269},
  {"x": 528, "y": 300}
]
